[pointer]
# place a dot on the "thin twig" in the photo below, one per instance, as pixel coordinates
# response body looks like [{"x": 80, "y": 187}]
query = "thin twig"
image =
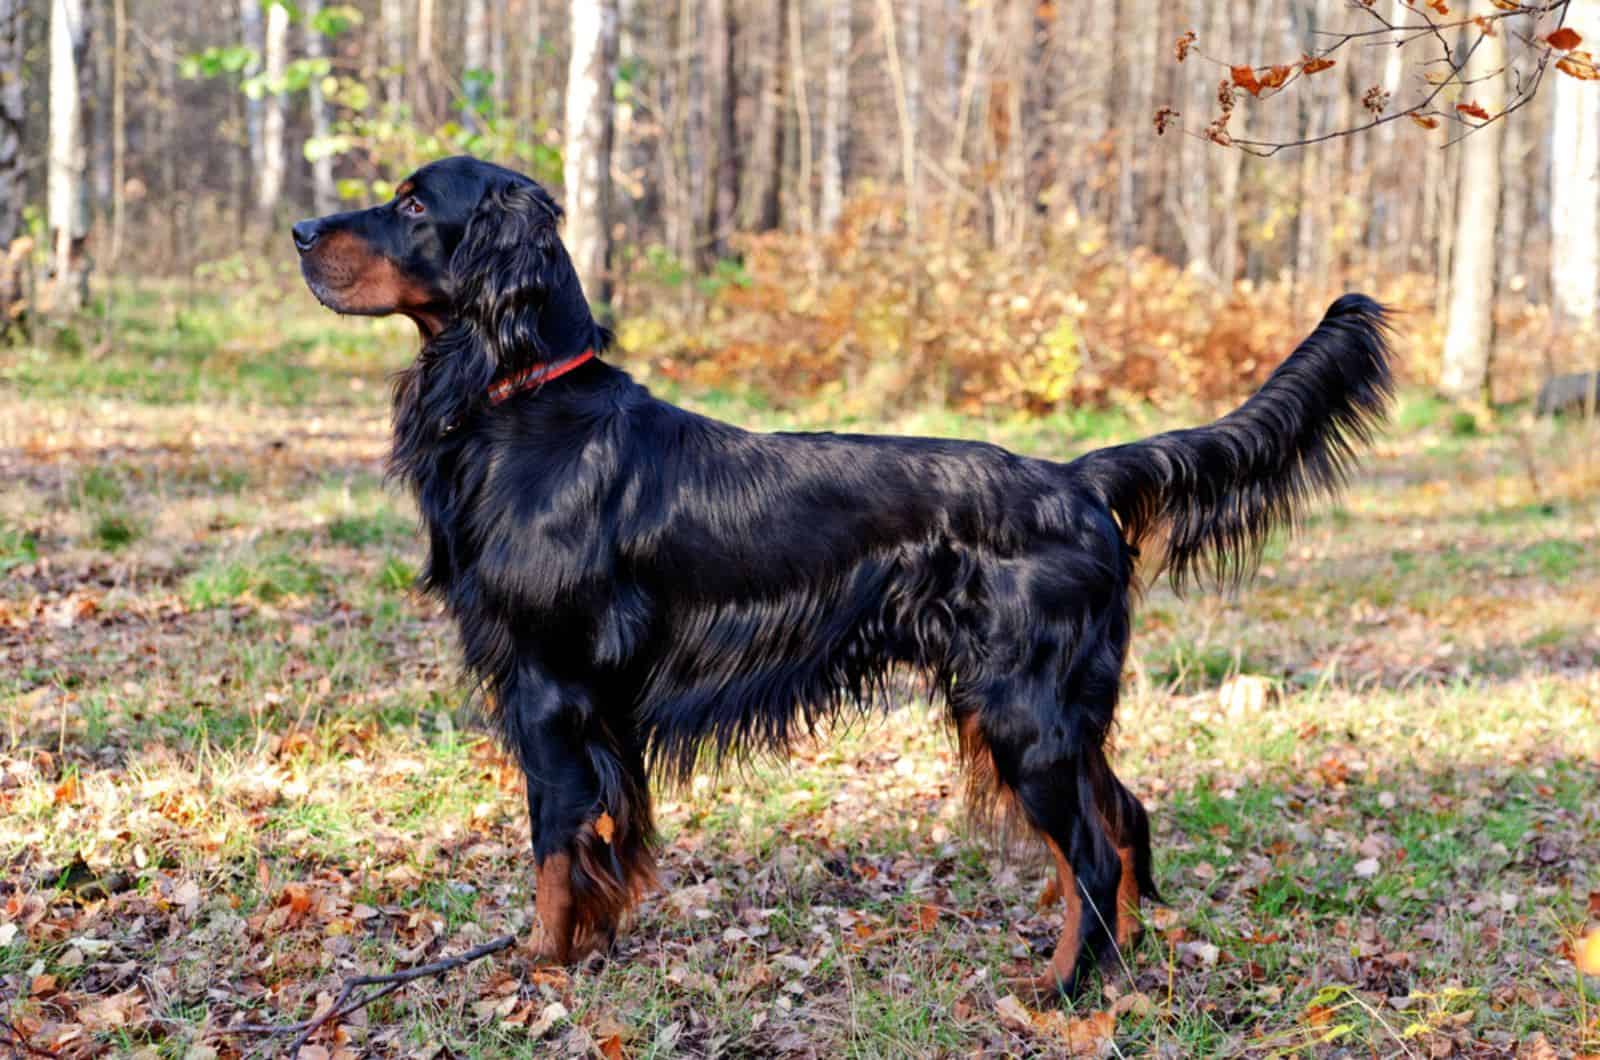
[
  {"x": 1398, "y": 34},
  {"x": 388, "y": 982},
  {"x": 12, "y": 1037}
]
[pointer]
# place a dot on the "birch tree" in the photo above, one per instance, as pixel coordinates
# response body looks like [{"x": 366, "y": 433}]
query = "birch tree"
[
  {"x": 474, "y": 60},
  {"x": 423, "y": 74},
  {"x": 13, "y": 115},
  {"x": 324, "y": 194},
  {"x": 393, "y": 16},
  {"x": 253, "y": 37},
  {"x": 68, "y": 196},
  {"x": 591, "y": 74},
  {"x": 835, "y": 114},
  {"x": 1470, "y": 321},
  {"x": 1575, "y": 185},
  {"x": 273, "y": 156}
]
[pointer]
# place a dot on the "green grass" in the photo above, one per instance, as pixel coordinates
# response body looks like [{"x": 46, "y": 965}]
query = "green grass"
[
  {"x": 17, "y": 547},
  {"x": 267, "y": 577}
]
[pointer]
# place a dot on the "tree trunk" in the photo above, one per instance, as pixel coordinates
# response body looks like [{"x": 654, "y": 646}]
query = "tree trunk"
[
  {"x": 474, "y": 61},
  {"x": 272, "y": 119},
  {"x": 1193, "y": 199},
  {"x": 763, "y": 209},
  {"x": 1575, "y": 185},
  {"x": 497, "y": 55},
  {"x": 323, "y": 192},
  {"x": 902, "y": 96},
  {"x": 394, "y": 51},
  {"x": 911, "y": 62},
  {"x": 590, "y": 78},
  {"x": 252, "y": 35},
  {"x": 951, "y": 60},
  {"x": 119, "y": 126},
  {"x": 422, "y": 75},
  {"x": 802, "y": 109},
  {"x": 68, "y": 194},
  {"x": 725, "y": 96},
  {"x": 1517, "y": 180},
  {"x": 13, "y": 116},
  {"x": 99, "y": 14},
  {"x": 692, "y": 46},
  {"x": 1229, "y": 166},
  {"x": 835, "y": 114},
  {"x": 1470, "y": 324}
]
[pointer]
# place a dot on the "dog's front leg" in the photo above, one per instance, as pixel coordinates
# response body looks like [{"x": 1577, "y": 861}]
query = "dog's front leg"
[{"x": 588, "y": 809}]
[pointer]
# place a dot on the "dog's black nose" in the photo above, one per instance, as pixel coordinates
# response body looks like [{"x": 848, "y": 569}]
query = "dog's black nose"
[{"x": 305, "y": 235}]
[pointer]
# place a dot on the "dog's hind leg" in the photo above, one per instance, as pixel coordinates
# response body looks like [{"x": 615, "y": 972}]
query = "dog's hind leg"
[
  {"x": 1128, "y": 826},
  {"x": 1054, "y": 796}
]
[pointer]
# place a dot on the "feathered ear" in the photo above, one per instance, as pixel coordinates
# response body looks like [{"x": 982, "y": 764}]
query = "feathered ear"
[{"x": 509, "y": 269}]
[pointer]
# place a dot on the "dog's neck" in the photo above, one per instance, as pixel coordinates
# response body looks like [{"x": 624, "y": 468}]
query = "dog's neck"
[{"x": 566, "y": 326}]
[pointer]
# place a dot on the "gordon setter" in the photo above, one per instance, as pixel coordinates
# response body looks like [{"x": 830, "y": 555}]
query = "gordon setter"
[{"x": 638, "y": 587}]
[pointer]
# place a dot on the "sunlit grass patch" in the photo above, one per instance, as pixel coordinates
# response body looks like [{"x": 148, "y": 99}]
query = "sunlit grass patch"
[
  {"x": 17, "y": 546},
  {"x": 266, "y": 577}
]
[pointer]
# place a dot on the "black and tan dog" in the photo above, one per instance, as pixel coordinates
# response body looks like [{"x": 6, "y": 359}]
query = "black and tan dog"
[{"x": 636, "y": 585}]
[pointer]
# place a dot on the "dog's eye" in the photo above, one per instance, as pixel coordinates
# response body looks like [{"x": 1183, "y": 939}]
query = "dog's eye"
[{"x": 410, "y": 205}]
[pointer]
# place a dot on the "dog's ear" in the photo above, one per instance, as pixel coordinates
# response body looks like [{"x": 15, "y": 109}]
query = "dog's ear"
[{"x": 509, "y": 268}]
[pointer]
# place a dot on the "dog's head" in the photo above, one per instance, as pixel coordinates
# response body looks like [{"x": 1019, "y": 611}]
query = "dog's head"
[{"x": 464, "y": 246}]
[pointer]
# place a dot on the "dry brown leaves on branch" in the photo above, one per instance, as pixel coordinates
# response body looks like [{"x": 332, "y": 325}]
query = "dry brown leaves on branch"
[{"x": 1443, "y": 74}]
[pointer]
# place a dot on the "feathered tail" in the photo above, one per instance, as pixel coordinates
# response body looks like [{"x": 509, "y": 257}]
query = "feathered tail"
[{"x": 1216, "y": 492}]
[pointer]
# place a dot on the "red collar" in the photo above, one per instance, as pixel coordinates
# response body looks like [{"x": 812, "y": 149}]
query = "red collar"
[{"x": 532, "y": 377}]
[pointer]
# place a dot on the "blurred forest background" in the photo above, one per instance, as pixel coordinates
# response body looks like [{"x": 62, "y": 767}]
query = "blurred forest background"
[{"x": 980, "y": 203}]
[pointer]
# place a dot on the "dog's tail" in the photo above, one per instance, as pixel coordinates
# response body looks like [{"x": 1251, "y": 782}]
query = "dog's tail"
[{"x": 1214, "y": 493}]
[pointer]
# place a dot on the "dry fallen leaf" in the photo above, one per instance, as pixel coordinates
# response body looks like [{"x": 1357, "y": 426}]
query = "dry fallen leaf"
[
  {"x": 605, "y": 827},
  {"x": 553, "y": 1013},
  {"x": 1092, "y": 1035},
  {"x": 1198, "y": 953},
  {"x": 1014, "y": 1014},
  {"x": 1586, "y": 952},
  {"x": 1244, "y": 694}
]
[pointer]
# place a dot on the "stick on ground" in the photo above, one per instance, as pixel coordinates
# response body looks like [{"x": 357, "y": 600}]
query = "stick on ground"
[{"x": 388, "y": 983}]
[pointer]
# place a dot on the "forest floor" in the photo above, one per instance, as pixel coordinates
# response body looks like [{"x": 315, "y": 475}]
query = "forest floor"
[{"x": 235, "y": 763}]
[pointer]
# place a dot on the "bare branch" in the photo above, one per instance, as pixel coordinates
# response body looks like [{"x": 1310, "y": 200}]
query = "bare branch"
[
  {"x": 1426, "y": 23},
  {"x": 12, "y": 1037},
  {"x": 387, "y": 983}
]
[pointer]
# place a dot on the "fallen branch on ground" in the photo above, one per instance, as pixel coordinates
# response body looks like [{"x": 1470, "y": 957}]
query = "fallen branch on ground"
[
  {"x": 14, "y": 1038},
  {"x": 388, "y": 984}
]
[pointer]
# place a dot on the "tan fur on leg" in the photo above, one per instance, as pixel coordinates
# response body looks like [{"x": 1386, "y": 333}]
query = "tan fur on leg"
[
  {"x": 1128, "y": 926},
  {"x": 553, "y": 903},
  {"x": 1065, "y": 958}
]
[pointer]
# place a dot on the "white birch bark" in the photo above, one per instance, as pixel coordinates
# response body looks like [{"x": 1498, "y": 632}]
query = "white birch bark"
[
  {"x": 835, "y": 114},
  {"x": 68, "y": 213},
  {"x": 591, "y": 73},
  {"x": 273, "y": 157},
  {"x": 1575, "y": 184},
  {"x": 1469, "y": 329},
  {"x": 324, "y": 193}
]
